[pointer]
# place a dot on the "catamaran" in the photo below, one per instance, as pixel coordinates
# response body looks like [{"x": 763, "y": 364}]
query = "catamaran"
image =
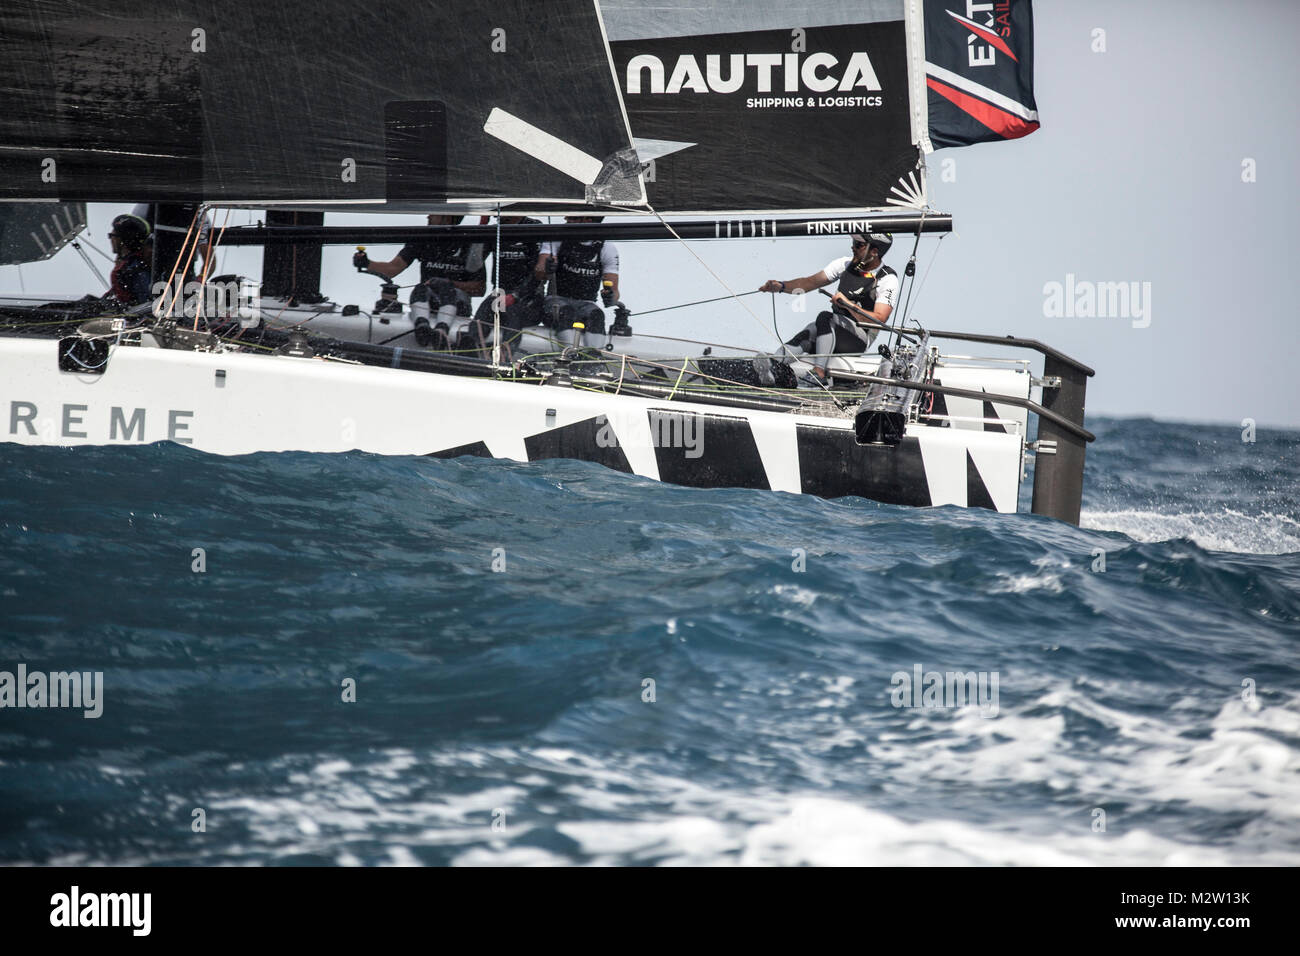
[{"x": 814, "y": 119}]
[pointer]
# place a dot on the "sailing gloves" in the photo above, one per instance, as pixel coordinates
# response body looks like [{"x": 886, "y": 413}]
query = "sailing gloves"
[{"x": 361, "y": 261}]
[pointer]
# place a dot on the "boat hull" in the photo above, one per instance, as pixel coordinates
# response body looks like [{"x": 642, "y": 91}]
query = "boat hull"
[{"x": 232, "y": 403}]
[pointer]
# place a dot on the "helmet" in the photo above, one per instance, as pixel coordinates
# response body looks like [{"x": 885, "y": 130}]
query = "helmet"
[
  {"x": 882, "y": 241},
  {"x": 130, "y": 229}
]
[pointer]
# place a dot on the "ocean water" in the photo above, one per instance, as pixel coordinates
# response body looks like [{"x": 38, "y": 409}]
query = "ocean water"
[{"x": 1147, "y": 713}]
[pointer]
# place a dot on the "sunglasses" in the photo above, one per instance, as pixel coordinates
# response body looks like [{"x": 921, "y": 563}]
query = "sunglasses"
[{"x": 859, "y": 245}]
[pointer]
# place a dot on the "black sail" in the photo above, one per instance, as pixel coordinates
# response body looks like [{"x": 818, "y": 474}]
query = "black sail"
[
  {"x": 325, "y": 101},
  {"x": 31, "y": 231},
  {"x": 766, "y": 106},
  {"x": 979, "y": 71}
]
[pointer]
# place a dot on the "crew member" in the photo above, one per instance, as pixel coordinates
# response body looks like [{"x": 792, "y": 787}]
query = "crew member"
[
  {"x": 581, "y": 269},
  {"x": 521, "y": 303},
  {"x": 862, "y": 304},
  {"x": 130, "y": 281},
  {"x": 200, "y": 264},
  {"x": 451, "y": 271}
]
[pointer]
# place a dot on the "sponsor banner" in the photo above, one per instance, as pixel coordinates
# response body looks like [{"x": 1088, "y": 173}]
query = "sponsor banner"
[
  {"x": 771, "y": 120},
  {"x": 979, "y": 70}
]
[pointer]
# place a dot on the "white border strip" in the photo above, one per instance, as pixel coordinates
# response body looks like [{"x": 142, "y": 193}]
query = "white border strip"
[
  {"x": 918, "y": 93},
  {"x": 983, "y": 92}
]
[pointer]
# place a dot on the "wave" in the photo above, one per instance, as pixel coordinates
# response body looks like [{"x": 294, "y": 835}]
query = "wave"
[{"x": 1226, "y": 530}]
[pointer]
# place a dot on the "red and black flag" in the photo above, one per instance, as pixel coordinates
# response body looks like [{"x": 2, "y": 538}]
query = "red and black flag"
[{"x": 979, "y": 70}]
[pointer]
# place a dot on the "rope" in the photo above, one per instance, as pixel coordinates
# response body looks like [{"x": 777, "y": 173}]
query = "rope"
[
  {"x": 177, "y": 264},
  {"x": 207, "y": 260},
  {"x": 686, "y": 305},
  {"x": 667, "y": 225},
  {"x": 496, "y": 293},
  {"x": 714, "y": 345},
  {"x": 680, "y": 376}
]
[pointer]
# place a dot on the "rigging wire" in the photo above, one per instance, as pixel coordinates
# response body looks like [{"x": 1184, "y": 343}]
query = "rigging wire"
[
  {"x": 910, "y": 272},
  {"x": 933, "y": 258},
  {"x": 94, "y": 247},
  {"x": 90, "y": 265},
  {"x": 734, "y": 295},
  {"x": 667, "y": 225}
]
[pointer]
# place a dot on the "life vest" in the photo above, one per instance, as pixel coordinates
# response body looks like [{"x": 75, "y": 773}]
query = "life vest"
[
  {"x": 860, "y": 287},
  {"x": 578, "y": 271},
  {"x": 130, "y": 279},
  {"x": 517, "y": 260},
  {"x": 455, "y": 261}
]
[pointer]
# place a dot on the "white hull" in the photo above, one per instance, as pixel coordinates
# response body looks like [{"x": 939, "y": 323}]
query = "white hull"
[{"x": 233, "y": 403}]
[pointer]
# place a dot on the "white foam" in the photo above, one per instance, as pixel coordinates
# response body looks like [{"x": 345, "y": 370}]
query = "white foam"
[
  {"x": 629, "y": 810},
  {"x": 822, "y": 832},
  {"x": 1245, "y": 765},
  {"x": 1227, "y": 530}
]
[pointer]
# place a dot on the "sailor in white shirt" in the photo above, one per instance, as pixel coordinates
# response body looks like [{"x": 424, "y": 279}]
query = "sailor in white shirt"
[{"x": 862, "y": 304}]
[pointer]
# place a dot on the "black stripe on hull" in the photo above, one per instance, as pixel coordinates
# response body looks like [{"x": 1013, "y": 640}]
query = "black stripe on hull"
[
  {"x": 578, "y": 441},
  {"x": 977, "y": 493},
  {"x": 477, "y": 449},
  {"x": 990, "y": 413},
  {"x": 723, "y": 452},
  {"x": 939, "y": 406},
  {"x": 832, "y": 464}
]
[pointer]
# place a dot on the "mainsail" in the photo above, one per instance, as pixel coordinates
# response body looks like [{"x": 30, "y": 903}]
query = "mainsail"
[
  {"x": 327, "y": 101},
  {"x": 769, "y": 106}
]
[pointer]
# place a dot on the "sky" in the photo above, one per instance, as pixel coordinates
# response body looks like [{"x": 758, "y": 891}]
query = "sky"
[{"x": 1136, "y": 176}]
